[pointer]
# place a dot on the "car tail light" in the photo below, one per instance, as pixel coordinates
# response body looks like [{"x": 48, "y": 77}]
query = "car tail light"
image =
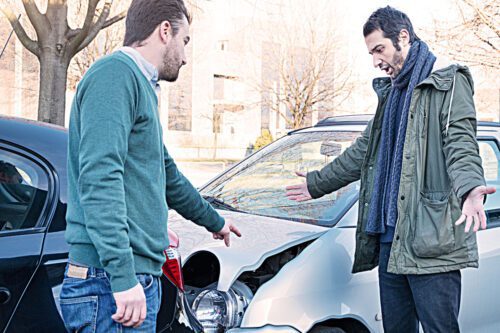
[{"x": 172, "y": 267}]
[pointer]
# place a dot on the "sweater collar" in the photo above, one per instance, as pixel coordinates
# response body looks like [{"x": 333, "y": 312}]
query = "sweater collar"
[{"x": 147, "y": 69}]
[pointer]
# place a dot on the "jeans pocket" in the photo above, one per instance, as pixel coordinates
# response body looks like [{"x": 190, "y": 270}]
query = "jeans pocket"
[
  {"x": 146, "y": 280},
  {"x": 80, "y": 314},
  {"x": 433, "y": 228}
]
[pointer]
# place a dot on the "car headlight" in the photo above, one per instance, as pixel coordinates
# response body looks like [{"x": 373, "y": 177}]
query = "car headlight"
[{"x": 219, "y": 311}]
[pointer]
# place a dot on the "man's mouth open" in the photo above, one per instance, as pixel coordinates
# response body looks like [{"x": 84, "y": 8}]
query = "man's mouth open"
[{"x": 387, "y": 69}]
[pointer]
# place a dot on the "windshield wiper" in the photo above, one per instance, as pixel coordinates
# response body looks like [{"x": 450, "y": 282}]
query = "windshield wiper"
[{"x": 218, "y": 203}]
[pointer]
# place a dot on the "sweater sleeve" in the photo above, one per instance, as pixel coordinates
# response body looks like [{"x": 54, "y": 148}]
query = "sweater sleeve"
[
  {"x": 186, "y": 200},
  {"x": 106, "y": 103}
]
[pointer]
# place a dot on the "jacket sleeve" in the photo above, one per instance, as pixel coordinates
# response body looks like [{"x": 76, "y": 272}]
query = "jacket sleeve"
[
  {"x": 460, "y": 146},
  {"x": 107, "y": 111},
  {"x": 183, "y": 197},
  {"x": 343, "y": 170}
]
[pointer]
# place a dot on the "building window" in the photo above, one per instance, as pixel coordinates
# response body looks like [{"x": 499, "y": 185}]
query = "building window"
[
  {"x": 220, "y": 82},
  {"x": 218, "y": 87},
  {"x": 219, "y": 111},
  {"x": 222, "y": 45}
]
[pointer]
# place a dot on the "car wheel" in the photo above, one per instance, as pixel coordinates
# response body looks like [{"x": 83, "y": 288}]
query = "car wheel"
[{"x": 325, "y": 329}]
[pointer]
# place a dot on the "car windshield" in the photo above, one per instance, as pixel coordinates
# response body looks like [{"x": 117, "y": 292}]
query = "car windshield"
[{"x": 257, "y": 185}]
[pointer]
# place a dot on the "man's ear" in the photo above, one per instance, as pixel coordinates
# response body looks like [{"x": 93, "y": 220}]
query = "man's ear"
[
  {"x": 404, "y": 37},
  {"x": 165, "y": 31}
]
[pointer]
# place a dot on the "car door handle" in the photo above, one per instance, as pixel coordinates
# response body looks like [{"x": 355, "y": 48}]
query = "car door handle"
[{"x": 4, "y": 295}]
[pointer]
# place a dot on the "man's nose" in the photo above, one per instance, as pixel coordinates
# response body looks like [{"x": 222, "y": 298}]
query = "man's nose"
[{"x": 376, "y": 61}]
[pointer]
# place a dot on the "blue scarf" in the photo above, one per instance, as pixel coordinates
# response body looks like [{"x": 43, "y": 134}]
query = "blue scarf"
[{"x": 383, "y": 205}]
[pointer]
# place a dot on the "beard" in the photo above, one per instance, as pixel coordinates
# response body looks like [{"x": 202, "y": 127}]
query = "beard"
[
  {"x": 397, "y": 64},
  {"x": 171, "y": 65}
]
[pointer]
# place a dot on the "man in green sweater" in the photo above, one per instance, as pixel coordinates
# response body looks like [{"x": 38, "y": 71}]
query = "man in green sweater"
[{"x": 122, "y": 179}]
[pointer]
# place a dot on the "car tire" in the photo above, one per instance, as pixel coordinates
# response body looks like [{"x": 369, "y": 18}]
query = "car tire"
[{"x": 326, "y": 329}]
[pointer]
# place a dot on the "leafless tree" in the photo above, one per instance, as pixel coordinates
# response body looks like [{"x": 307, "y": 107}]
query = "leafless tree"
[
  {"x": 303, "y": 71},
  {"x": 308, "y": 81},
  {"x": 106, "y": 41},
  {"x": 55, "y": 43},
  {"x": 475, "y": 40}
]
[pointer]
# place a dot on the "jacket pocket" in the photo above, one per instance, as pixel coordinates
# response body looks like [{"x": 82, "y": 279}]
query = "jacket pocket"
[{"x": 433, "y": 234}]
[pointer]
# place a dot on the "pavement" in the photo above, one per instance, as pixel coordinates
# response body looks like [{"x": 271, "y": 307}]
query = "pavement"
[{"x": 199, "y": 173}]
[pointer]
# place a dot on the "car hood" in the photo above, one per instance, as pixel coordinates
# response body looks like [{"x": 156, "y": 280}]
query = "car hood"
[{"x": 262, "y": 237}]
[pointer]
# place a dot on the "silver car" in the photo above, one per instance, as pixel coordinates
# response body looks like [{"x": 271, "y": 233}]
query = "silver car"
[{"x": 291, "y": 270}]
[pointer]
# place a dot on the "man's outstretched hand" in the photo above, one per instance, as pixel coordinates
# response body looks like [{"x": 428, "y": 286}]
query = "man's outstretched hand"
[
  {"x": 298, "y": 192},
  {"x": 225, "y": 233},
  {"x": 473, "y": 209}
]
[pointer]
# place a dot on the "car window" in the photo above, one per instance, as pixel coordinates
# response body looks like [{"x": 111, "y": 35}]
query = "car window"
[
  {"x": 23, "y": 191},
  {"x": 257, "y": 186},
  {"x": 490, "y": 156}
]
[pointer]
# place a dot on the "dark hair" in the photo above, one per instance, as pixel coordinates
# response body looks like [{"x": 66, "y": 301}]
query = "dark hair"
[
  {"x": 144, "y": 16},
  {"x": 390, "y": 21}
]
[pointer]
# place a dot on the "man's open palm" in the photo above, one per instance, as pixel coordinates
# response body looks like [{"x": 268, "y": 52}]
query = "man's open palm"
[
  {"x": 473, "y": 209},
  {"x": 298, "y": 192}
]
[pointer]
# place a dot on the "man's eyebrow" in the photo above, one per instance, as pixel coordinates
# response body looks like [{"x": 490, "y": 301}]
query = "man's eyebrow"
[{"x": 371, "y": 51}]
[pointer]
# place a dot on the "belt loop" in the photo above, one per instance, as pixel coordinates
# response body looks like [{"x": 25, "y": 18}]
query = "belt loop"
[{"x": 91, "y": 272}]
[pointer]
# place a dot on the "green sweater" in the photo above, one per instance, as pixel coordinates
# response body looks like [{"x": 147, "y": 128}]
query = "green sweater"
[{"x": 121, "y": 177}]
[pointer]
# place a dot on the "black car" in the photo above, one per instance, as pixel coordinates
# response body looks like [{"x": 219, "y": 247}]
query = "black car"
[{"x": 33, "y": 252}]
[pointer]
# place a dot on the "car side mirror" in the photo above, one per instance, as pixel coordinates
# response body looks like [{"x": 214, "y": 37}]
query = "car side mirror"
[{"x": 330, "y": 148}]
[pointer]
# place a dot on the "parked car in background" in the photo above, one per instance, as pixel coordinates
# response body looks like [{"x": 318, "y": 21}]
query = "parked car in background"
[
  {"x": 33, "y": 252},
  {"x": 291, "y": 270}
]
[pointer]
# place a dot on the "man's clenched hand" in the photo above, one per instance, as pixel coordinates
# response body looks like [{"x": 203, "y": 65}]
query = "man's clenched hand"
[{"x": 130, "y": 306}]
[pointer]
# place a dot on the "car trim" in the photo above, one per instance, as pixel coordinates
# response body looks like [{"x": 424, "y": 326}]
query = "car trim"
[
  {"x": 26, "y": 231},
  {"x": 50, "y": 205},
  {"x": 55, "y": 262}
]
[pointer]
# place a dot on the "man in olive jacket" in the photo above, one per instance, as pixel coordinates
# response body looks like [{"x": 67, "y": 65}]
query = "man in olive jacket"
[{"x": 421, "y": 178}]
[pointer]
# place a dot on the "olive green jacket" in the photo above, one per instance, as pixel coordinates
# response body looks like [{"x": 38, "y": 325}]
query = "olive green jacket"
[{"x": 441, "y": 164}]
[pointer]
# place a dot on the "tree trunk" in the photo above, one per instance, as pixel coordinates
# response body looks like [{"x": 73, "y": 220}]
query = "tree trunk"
[
  {"x": 214, "y": 152},
  {"x": 52, "y": 98}
]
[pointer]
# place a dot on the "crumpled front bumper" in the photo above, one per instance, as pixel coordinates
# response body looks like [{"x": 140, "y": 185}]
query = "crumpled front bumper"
[{"x": 265, "y": 329}]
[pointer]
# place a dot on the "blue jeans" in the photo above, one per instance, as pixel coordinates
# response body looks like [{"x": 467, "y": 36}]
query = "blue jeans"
[
  {"x": 88, "y": 304},
  {"x": 431, "y": 299}
]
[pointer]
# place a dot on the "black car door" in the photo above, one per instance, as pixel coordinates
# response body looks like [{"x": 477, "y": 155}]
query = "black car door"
[{"x": 26, "y": 200}]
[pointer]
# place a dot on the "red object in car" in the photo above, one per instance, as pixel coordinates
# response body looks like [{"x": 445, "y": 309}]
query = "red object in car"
[{"x": 172, "y": 267}]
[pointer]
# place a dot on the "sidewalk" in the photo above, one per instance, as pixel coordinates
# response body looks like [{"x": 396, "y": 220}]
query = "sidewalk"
[{"x": 199, "y": 173}]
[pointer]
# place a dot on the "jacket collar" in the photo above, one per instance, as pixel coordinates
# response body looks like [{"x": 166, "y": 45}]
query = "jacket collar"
[
  {"x": 441, "y": 78},
  {"x": 382, "y": 85}
]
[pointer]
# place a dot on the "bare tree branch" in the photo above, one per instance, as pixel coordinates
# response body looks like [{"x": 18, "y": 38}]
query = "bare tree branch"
[
  {"x": 117, "y": 18},
  {"x": 27, "y": 42},
  {"x": 114, "y": 19},
  {"x": 476, "y": 40},
  {"x": 87, "y": 26},
  {"x": 484, "y": 17},
  {"x": 98, "y": 25},
  {"x": 37, "y": 19}
]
